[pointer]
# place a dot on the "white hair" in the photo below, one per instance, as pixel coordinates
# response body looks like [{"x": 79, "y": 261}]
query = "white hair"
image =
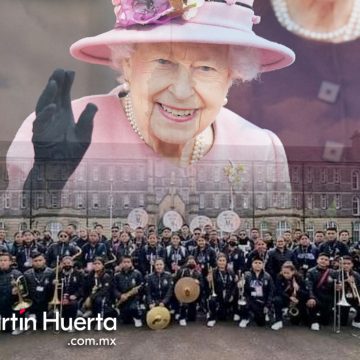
[{"x": 244, "y": 61}]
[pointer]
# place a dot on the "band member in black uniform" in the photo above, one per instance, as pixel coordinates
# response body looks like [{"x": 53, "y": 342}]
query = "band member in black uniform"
[
  {"x": 100, "y": 230},
  {"x": 61, "y": 248},
  {"x": 23, "y": 257},
  {"x": 149, "y": 253},
  {"x": 126, "y": 287},
  {"x": 258, "y": 292},
  {"x": 352, "y": 290},
  {"x": 276, "y": 257},
  {"x": 114, "y": 241},
  {"x": 320, "y": 284},
  {"x": 215, "y": 242},
  {"x": 5, "y": 245},
  {"x": 40, "y": 284},
  {"x": 16, "y": 245},
  {"x": 93, "y": 249},
  {"x": 8, "y": 290},
  {"x": 260, "y": 251},
  {"x": 72, "y": 282},
  {"x": 305, "y": 255},
  {"x": 83, "y": 238},
  {"x": 125, "y": 247},
  {"x": 140, "y": 238},
  {"x": 235, "y": 256},
  {"x": 159, "y": 286},
  {"x": 175, "y": 255},
  {"x": 205, "y": 255},
  {"x": 291, "y": 294},
  {"x": 71, "y": 231},
  {"x": 185, "y": 234},
  {"x": 222, "y": 284},
  {"x": 46, "y": 239},
  {"x": 191, "y": 244},
  {"x": 166, "y": 237},
  {"x": 332, "y": 246},
  {"x": 187, "y": 312},
  {"x": 97, "y": 290}
]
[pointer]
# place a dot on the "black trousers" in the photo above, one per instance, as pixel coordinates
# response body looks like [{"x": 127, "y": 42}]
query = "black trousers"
[
  {"x": 130, "y": 310},
  {"x": 253, "y": 309},
  {"x": 345, "y": 310},
  {"x": 281, "y": 302},
  {"x": 69, "y": 312},
  {"x": 219, "y": 309},
  {"x": 322, "y": 313},
  {"x": 188, "y": 311}
]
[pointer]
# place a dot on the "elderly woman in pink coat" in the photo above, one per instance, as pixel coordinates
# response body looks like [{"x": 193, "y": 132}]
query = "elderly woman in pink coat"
[{"x": 177, "y": 61}]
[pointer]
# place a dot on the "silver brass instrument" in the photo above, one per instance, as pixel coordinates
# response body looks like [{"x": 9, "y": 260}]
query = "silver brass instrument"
[
  {"x": 354, "y": 289},
  {"x": 342, "y": 301},
  {"x": 57, "y": 286},
  {"x": 241, "y": 287},
  {"x": 293, "y": 308},
  {"x": 211, "y": 282},
  {"x": 22, "y": 292}
]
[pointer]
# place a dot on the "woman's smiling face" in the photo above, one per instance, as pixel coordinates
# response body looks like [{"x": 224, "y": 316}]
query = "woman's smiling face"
[{"x": 177, "y": 89}]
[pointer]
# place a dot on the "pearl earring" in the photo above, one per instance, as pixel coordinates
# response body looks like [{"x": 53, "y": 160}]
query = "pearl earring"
[
  {"x": 225, "y": 101},
  {"x": 124, "y": 89}
]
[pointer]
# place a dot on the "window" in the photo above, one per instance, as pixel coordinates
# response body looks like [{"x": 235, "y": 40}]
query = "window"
[
  {"x": 39, "y": 200},
  {"x": 338, "y": 201},
  {"x": 245, "y": 201},
  {"x": 330, "y": 224},
  {"x": 263, "y": 228},
  {"x": 126, "y": 201},
  {"x": 281, "y": 227},
  {"x": 282, "y": 204},
  {"x": 323, "y": 176},
  {"x": 64, "y": 199},
  {"x": 323, "y": 201},
  {"x": 310, "y": 201},
  {"x": 22, "y": 201},
  {"x": 23, "y": 226},
  {"x": 7, "y": 201},
  {"x": 310, "y": 230},
  {"x": 295, "y": 175},
  {"x": 296, "y": 201},
  {"x": 54, "y": 228},
  {"x": 260, "y": 201},
  {"x": 336, "y": 176},
  {"x": 356, "y": 205},
  {"x": 54, "y": 200},
  {"x": 355, "y": 179},
  {"x": 216, "y": 201},
  {"x": 309, "y": 175},
  {"x": 95, "y": 173},
  {"x": 259, "y": 173},
  {"x": 95, "y": 200},
  {"x": 274, "y": 200},
  {"x": 79, "y": 201},
  {"x": 201, "y": 201},
  {"x": 217, "y": 174},
  {"x": 356, "y": 231}
]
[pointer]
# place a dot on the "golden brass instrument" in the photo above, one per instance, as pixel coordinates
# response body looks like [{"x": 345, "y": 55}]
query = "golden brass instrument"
[
  {"x": 88, "y": 301},
  {"x": 22, "y": 303},
  {"x": 57, "y": 286},
  {"x": 354, "y": 289},
  {"x": 128, "y": 294},
  {"x": 342, "y": 301},
  {"x": 158, "y": 318}
]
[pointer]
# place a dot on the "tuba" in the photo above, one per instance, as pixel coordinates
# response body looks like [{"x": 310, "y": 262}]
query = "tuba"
[{"x": 22, "y": 292}]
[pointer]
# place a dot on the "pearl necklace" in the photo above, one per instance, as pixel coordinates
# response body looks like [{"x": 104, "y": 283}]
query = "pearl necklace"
[
  {"x": 198, "y": 150},
  {"x": 347, "y": 32}
]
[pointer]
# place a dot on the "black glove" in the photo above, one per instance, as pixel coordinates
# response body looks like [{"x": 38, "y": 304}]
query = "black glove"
[{"x": 57, "y": 139}]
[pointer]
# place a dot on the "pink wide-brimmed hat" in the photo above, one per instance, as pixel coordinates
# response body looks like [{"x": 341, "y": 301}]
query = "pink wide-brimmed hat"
[{"x": 227, "y": 22}]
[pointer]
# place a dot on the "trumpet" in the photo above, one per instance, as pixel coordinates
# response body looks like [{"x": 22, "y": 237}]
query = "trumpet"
[{"x": 20, "y": 285}]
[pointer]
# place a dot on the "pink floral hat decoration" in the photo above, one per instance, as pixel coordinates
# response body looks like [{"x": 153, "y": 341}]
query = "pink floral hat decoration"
[{"x": 228, "y": 22}]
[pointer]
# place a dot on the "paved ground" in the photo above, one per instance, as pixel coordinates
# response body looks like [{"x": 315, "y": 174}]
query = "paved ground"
[{"x": 225, "y": 341}]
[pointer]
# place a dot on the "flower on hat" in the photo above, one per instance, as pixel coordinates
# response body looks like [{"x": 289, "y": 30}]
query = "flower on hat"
[{"x": 130, "y": 12}]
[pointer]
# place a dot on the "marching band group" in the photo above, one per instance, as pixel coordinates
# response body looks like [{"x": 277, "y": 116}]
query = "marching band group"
[{"x": 290, "y": 280}]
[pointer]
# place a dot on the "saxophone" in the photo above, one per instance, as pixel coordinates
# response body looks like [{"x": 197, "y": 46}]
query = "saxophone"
[
  {"x": 128, "y": 294},
  {"x": 94, "y": 290}
]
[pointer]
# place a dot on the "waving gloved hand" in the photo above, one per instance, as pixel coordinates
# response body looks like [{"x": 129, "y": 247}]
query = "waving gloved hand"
[{"x": 56, "y": 137}]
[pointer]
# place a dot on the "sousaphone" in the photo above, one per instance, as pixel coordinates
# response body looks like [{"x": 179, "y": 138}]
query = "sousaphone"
[
  {"x": 158, "y": 318},
  {"x": 187, "y": 290}
]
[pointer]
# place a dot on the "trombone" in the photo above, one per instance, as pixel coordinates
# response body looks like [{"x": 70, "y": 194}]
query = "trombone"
[
  {"x": 342, "y": 301},
  {"x": 20, "y": 285},
  {"x": 59, "y": 285}
]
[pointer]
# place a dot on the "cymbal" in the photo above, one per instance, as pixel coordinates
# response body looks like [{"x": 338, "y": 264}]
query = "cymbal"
[
  {"x": 158, "y": 318},
  {"x": 187, "y": 290}
]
